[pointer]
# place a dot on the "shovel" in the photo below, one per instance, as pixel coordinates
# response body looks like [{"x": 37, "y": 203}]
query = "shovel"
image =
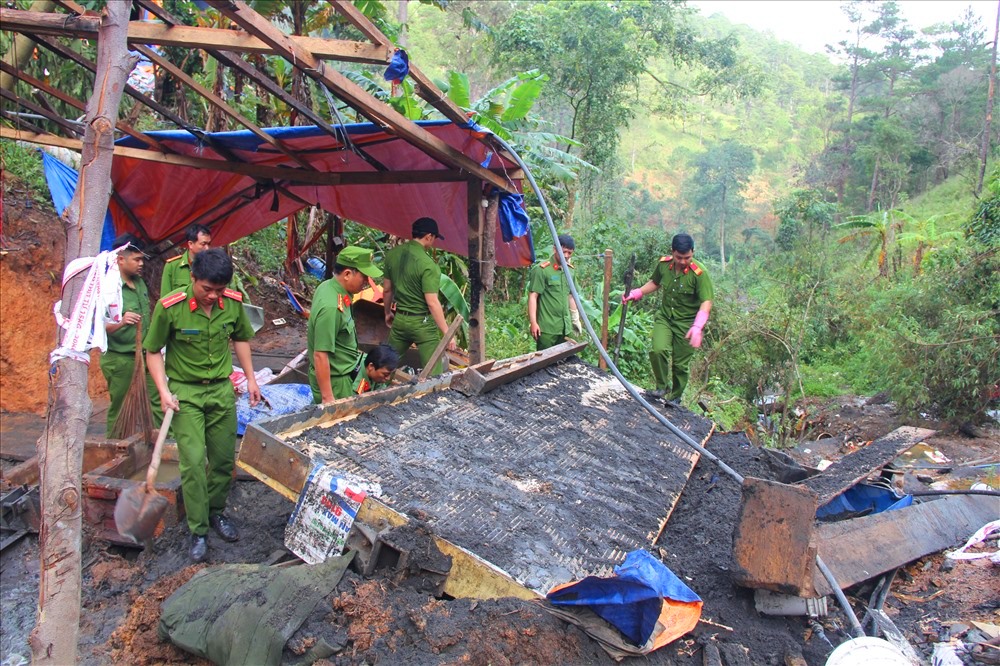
[{"x": 139, "y": 508}]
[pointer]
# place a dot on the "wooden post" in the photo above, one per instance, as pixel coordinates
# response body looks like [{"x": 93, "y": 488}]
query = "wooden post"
[
  {"x": 477, "y": 332},
  {"x": 605, "y": 312}
]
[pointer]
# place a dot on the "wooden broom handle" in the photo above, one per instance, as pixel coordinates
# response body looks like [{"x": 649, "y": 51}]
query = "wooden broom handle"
[{"x": 154, "y": 462}]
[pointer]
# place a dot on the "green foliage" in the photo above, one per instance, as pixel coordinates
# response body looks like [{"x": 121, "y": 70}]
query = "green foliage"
[
  {"x": 26, "y": 164},
  {"x": 985, "y": 224},
  {"x": 260, "y": 253}
]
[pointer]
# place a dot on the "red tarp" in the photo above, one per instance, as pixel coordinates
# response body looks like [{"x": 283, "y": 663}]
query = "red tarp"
[{"x": 166, "y": 198}]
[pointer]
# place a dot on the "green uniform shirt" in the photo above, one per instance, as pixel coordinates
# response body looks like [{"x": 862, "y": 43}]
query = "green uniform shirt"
[
  {"x": 331, "y": 330},
  {"x": 548, "y": 281},
  {"x": 134, "y": 299},
  {"x": 681, "y": 293},
  {"x": 197, "y": 345},
  {"x": 176, "y": 274},
  {"x": 413, "y": 273}
]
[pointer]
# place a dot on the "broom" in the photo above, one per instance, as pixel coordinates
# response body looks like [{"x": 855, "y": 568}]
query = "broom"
[{"x": 135, "y": 414}]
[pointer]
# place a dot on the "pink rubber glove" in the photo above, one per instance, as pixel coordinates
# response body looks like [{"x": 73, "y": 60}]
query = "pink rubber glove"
[
  {"x": 633, "y": 295},
  {"x": 694, "y": 333}
]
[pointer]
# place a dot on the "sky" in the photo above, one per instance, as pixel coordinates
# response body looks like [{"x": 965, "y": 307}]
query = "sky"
[{"x": 812, "y": 24}]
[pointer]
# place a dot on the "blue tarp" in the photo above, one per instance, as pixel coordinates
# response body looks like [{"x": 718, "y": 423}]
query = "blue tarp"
[
  {"x": 633, "y": 599},
  {"x": 62, "y": 185},
  {"x": 861, "y": 498},
  {"x": 282, "y": 398}
]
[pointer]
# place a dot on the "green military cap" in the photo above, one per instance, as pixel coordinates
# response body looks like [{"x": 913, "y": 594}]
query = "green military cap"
[{"x": 360, "y": 259}]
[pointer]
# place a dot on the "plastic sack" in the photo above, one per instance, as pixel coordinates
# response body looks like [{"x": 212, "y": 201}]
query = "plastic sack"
[
  {"x": 514, "y": 222},
  {"x": 398, "y": 67},
  {"x": 644, "y": 601},
  {"x": 239, "y": 378},
  {"x": 280, "y": 399}
]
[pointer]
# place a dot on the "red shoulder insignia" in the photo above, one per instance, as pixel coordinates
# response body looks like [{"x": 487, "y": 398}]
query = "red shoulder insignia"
[
  {"x": 667, "y": 258},
  {"x": 696, "y": 268},
  {"x": 545, "y": 264},
  {"x": 233, "y": 294},
  {"x": 173, "y": 299},
  {"x": 173, "y": 258},
  {"x": 364, "y": 387}
]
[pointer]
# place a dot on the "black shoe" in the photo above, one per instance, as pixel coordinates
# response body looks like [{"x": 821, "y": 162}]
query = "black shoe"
[
  {"x": 654, "y": 394},
  {"x": 224, "y": 527},
  {"x": 199, "y": 547},
  {"x": 671, "y": 404}
]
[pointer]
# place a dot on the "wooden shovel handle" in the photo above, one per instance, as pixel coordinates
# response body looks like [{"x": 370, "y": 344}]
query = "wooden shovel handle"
[{"x": 154, "y": 462}]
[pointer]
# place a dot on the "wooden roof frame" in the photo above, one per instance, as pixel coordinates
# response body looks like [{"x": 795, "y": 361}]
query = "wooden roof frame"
[{"x": 258, "y": 35}]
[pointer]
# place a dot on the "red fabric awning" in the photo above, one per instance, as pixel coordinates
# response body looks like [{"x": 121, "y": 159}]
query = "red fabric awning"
[{"x": 166, "y": 198}]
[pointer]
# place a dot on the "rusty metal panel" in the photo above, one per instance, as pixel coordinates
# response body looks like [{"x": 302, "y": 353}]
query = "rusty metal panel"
[{"x": 553, "y": 477}]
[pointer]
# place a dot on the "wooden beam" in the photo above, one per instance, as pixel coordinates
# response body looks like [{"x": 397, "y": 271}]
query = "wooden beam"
[
  {"x": 378, "y": 112},
  {"x": 438, "y": 352},
  {"x": 478, "y": 379},
  {"x": 146, "y": 32},
  {"x": 77, "y": 104},
  {"x": 285, "y": 174}
]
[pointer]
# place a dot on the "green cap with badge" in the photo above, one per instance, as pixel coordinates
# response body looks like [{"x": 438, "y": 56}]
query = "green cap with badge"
[{"x": 359, "y": 259}]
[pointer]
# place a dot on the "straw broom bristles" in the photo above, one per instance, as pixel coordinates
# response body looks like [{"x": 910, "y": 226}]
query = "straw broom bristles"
[{"x": 136, "y": 414}]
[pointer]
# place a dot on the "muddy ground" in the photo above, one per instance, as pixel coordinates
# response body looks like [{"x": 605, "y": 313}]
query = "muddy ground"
[{"x": 385, "y": 620}]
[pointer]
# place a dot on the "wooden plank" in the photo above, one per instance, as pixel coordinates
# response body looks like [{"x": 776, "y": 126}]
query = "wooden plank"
[
  {"x": 440, "y": 349},
  {"x": 376, "y": 111},
  {"x": 147, "y": 32},
  {"x": 531, "y": 363},
  {"x": 773, "y": 547},
  {"x": 858, "y": 465},
  {"x": 285, "y": 174},
  {"x": 862, "y": 548}
]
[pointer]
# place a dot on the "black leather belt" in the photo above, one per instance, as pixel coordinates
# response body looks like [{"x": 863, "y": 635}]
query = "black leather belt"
[{"x": 204, "y": 382}]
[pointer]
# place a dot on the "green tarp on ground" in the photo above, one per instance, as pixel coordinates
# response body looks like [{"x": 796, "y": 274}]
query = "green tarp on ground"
[{"x": 245, "y": 613}]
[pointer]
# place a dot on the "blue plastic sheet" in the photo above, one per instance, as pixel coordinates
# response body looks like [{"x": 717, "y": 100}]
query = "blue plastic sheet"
[
  {"x": 514, "y": 222},
  {"x": 398, "y": 67},
  {"x": 863, "y": 498},
  {"x": 633, "y": 599},
  {"x": 283, "y": 399},
  {"x": 62, "y": 180}
]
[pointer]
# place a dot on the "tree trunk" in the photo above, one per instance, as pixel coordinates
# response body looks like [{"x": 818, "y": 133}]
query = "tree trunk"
[
  {"x": 402, "y": 17},
  {"x": 60, "y": 455},
  {"x": 984, "y": 152},
  {"x": 722, "y": 232},
  {"x": 871, "y": 192}
]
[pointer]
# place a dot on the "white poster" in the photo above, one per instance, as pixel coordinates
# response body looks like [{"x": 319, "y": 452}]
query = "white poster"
[{"x": 326, "y": 509}]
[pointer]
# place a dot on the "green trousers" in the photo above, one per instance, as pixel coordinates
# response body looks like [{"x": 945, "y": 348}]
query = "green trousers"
[
  {"x": 669, "y": 345},
  {"x": 205, "y": 430},
  {"x": 117, "y": 369},
  {"x": 546, "y": 340},
  {"x": 418, "y": 330}
]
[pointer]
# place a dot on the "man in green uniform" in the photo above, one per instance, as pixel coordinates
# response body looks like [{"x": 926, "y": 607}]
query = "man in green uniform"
[
  {"x": 412, "y": 281},
  {"x": 118, "y": 362},
  {"x": 379, "y": 365},
  {"x": 552, "y": 313},
  {"x": 196, "y": 324},
  {"x": 332, "y": 342},
  {"x": 177, "y": 270},
  {"x": 678, "y": 322}
]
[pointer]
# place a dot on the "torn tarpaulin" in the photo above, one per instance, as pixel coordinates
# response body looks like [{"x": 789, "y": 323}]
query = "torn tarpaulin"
[{"x": 644, "y": 601}]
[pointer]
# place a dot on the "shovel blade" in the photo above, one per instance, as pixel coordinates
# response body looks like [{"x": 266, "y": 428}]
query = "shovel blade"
[{"x": 137, "y": 513}]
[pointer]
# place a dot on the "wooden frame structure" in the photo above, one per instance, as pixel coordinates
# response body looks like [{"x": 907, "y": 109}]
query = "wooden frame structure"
[{"x": 256, "y": 35}]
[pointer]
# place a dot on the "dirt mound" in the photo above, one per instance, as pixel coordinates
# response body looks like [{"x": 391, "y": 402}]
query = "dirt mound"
[
  {"x": 31, "y": 266},
  {"x": 136, "y": 642}
]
